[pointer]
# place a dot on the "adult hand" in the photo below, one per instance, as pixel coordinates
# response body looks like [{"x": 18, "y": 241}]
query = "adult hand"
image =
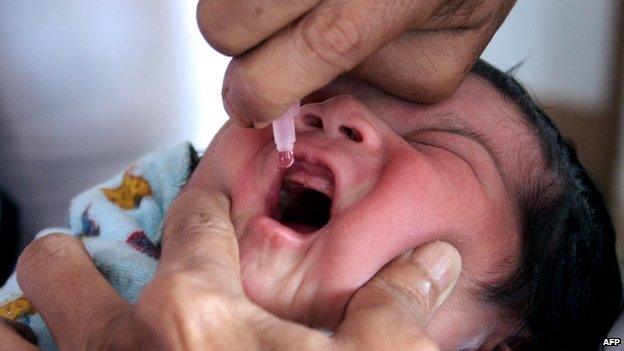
[
  {"x": 196, "y": 300},
  {"x": 420, "y": 50}
]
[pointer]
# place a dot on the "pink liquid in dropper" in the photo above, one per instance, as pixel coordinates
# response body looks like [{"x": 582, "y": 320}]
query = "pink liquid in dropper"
[{"x": 284, "y": 135}]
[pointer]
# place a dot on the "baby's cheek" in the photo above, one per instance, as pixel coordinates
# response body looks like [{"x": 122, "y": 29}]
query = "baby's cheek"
[
  {"x": 399, "y": 214},
  {"x": 234, "y": 148}
]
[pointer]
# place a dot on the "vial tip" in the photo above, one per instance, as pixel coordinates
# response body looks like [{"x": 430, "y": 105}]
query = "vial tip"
[{"x": 286, "y": 159}]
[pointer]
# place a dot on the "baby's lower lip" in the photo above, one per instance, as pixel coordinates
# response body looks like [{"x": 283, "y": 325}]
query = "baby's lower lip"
[
  {"x": 300, "y": 228},
  {"x": 263, "y": 229}
]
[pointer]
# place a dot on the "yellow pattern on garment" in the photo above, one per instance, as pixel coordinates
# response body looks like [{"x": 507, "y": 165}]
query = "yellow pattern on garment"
[
  {"x": 16, "y": 308},
  {"x": 129, "y": 194}
]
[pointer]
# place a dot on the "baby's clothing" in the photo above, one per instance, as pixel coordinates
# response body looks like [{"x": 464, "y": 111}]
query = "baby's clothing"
[{"x": 120, "y": 223}]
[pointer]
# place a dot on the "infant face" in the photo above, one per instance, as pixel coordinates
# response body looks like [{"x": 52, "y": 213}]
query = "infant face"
[{"x": 375, "y": 176}]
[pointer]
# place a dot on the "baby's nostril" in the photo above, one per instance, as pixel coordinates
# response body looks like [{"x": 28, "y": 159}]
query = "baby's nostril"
[
  {"x": 313, "y": 121},
  {"x": 351, "y": 133}
]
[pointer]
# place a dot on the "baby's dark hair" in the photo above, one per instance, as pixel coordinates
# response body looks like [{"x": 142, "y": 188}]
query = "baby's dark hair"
[{"x": 566, "y": 292}]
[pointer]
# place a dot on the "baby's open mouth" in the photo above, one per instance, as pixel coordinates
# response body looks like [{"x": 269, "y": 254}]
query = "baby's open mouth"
[{"x": 305, "y": 197}]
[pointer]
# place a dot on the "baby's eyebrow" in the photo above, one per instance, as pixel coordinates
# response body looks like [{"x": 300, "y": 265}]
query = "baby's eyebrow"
[{"x": 449, "y": 122}]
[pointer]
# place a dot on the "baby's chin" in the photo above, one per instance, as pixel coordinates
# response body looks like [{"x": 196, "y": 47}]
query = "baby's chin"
[{"x": 283, "y": 285}]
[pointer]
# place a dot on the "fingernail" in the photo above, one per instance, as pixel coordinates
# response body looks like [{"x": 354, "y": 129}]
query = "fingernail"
[
  {"x": 233, "y": 112},
  {"x": 443, "y": 263}
]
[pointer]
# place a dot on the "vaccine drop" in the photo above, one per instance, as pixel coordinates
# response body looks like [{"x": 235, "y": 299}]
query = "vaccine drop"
[{"x": 286, "y": 159}]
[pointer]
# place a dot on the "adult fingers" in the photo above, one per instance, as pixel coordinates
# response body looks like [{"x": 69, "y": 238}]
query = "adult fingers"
[
  {"x": 13, "y": 339},
  {"x": 234, "y": 26},
  {"x": 428, "y": 66},
  {"x": 390, "y": 311},
  {"x": 273, "y": 333},
  {"x": 328, "y": 41},
  {"x": 199, "y": 242},
  {"x": 415, "y": 76},
  {"x": 56, "y": 273}
]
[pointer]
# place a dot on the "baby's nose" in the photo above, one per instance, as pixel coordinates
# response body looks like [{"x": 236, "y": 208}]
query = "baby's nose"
[{"x": 343, "y": 118}]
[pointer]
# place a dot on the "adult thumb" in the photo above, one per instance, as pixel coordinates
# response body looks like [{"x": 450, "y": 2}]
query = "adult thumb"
[{"x": 400, "y": 300}]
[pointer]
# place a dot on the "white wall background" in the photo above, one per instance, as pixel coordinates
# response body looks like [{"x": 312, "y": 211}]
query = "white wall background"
[
  {"x": 567, "y": 45},
  {"x": 88, "y": 86}
]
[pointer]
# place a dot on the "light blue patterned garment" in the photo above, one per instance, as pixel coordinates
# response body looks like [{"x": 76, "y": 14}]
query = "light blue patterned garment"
[{"x": 120, "y": 222}]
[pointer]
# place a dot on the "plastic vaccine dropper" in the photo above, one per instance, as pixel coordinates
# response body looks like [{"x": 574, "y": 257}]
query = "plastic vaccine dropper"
[{"x": 284, "y": 135}]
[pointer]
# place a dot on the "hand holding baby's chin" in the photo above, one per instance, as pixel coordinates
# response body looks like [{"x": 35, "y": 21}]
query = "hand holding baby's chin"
[{"x": 183, "y": 310}]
